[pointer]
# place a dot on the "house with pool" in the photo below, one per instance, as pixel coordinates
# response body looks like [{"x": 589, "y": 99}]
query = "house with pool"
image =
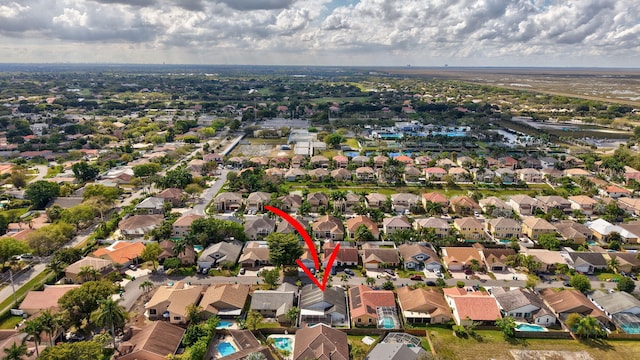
[
  {"x": 320, "y": 342},
  {"x": 472, "y": 306},
  {"x": 328, "y": 306},
  {"x": 371, "y": 308},
  {"x": 523, "y": 305}
]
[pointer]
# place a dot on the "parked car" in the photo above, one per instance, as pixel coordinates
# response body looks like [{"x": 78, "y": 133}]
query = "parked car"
[
  {"x": 26, "y": 256},
  {"x": 242, "y": 271},
  {"x": 635, "y": 278},
  {"x": 133, "y": 267},
  {"x": 567, "y": 284},
  {"x": 431, "y": 283},
  {"x": 349, "y": 272},
  {"x": 390, "y": 272},
  {"x": 416, "y": 277},
  {"x": 468, "y": 272}
]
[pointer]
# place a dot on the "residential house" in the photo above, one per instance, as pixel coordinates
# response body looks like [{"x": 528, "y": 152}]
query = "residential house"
[
  {"x": 503, "y": 228},
  {"x": 464, "y": 161},
  {"x": 548, "y": 259},
  {"x": 341, "y": 161},
  {"x": 347, "y": 253},
  {"x": 469, "y": 228},
  {"x": 631, "y": 227},
  {"x": 290, "y": 203},
  {"x": 464, "y": 205},
  {"x": 362, "y": 220},
  {"x": 155, "y": 341},
  {"x": 445, "y": 163},
  {"x": 365, "y": 304},
  {"x": 529, "y": 176},
  {"x": 365, "y": 174},
  {"x": 319, "y": 161},
  {"x": 328, "y": 227},
  {"x": 187, "y": 257},
  {"x": 483, "y": 175},
  {"x": 524, "y": 304},
  {"x": 491, "y": 203},
  {"x": 379, "y": 161},
  {"x": 434, "y": 173},
  {"x": 575, "y": 172},
  {"x": 169, "y": 302},
  {"x": 602, "y": 229},
  {"x": 224, "y": 300},
  {"x": 45, "y": 299},
  {"x": 533, "y": 227},
  {"x": 627, "y": 261},
  {"x": 255, "y": 254},
  {"x": 524, "y": 205},
  {"x": 257, "y": 227},
  {"x": 320, "y": 342},
  {"x": 586, "y": 262},
  {"x": 275, "y": 173},
  {"x": 173, "y": 195},
  {"x": 574, "y": 232},
  {"x": 328, "y": 306},
  {"x": 317, "y": 200},
  {"x": 615, "y": 192},
  {"x": 470, "y": 307},
  {"x": 261, "y": 161},
  {"x": 422, "y": 161},
  {"x": 374, "y": 257},
  {"x": 73, "y": 271},
  {"x": 298, "y": 161},
  {"x": 257, "y": 200},
  {"x": 341, "y": 174},
  {"x": 227, "y": 201},
  {"x": 217, "y": 254},
  {"x": 437, "y": 198},
  {"x": 506, "y": 175},
  {"x": 459, "y": 258},
  {"x": 347, "y": 203},
  {"x": 182, "y": 226},
  {"x": 319, "y": 174},
  {"x": 274, "y": 304},
  {"x": 294, "y": 174},
  {"x": 459, "y": 174},
  {"x": 583, "y": 204},
  {"x": 121, "y": 252},
  {"x": 375, "y": 200},
  {"x": 441, "y": 227},
  {"x": 360, "y": 161},
  {"x": 411, "y": 175},
  {"x": 419, "y": 257},
  {"x": 548, "y": 162},
  {"x": 630, "y": 205},
  {"x": 402, "y": 202},
  {"x": 407, "y": 160},
  {"x": 546, "y": 203},
  {"x": 508, "y": 162},
  {"x": 571, "y": 301},
  {"x": 137, "y": 226},
  {"x": 395, "y": 224},
  {"x": 616, "y": 303},
  {"x": 423, "y": 306},
  {"x": 496, "y": 259},
  {"x": 396, "y": 351},
  {"x": 530, "y": 162}
]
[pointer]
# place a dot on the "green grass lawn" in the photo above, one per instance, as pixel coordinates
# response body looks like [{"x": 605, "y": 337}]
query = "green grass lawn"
[
  {"x": 609, "y": 277},
  {"x": 10, "y": 322},
  {"x": 356, "y": 340},
  {"x": 353, "y": 143},
  {"x": 490, "y": 344},
  {"x": 22, "y": 291},
  {"x": 260, "y": 141},
  {"x": 13, "y": 213}
]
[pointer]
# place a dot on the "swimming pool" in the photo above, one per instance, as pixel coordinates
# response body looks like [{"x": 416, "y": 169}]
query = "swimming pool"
[
  {"x": 225, "y": 348},
  {"x": 531, "y": 327},
  {"x": 224, "y": 324},
  {"x": 283, "y": 344},
  {"x": 505, "y": 241},
  {"x": 388, "y": 323},
  {"x": 198, "y": 248},
  {"x": 630, "y": 328}
]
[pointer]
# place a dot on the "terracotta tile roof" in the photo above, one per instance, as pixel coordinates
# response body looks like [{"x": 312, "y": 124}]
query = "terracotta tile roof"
[
  {"x": 363, "y": 300},
  {"x": 462, "y": 255},
  {"x": 186, "y": 220},
  {"x": 354, "y": 223},
  {"x": 423, "y": 301},
  {"x": 120, "y": 252},
  {"x": 153, "y": 342},
  {"x": 45, "y": 299},
  {"x": 476, "y": 306}
]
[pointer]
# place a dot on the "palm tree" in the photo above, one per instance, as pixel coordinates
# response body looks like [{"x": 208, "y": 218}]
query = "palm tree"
[
  {"x": 15, "y": 351},
  {"x": 50, "y": 324},
  {"x": 179, "y": 247},
  {"x": 111, "y": 314},
  {"x": 357, "y": 352},
  {"x": 34, "y": 328},
  {"x": 370, "y": 281},
  {"x": 344, "y": 278},
  {"x": 88, "y": 273},
  {"x": 56, "y": 265},
  {"x": 613, "y": 264},
  {"x": 588, "y": 326},
  {"x": 146, "y": 286}
]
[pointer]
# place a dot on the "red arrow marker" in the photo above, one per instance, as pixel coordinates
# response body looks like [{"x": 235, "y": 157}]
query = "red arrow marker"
[{"x": 312, "y": 248}]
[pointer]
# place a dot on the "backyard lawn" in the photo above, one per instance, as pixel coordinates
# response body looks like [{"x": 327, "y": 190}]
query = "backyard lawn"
[{"x": 490, "y": 344}]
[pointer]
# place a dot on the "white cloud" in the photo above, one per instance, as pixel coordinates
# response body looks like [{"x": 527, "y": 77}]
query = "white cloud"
[{"x": 385, "y": 32}]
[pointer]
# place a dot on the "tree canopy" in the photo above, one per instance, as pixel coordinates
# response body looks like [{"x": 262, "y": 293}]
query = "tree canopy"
[
  {"x": 81, "y": 302},
  {"x": 41, "y": 192},
  {"x": 209, "y": 231},
  {"x": 284, "y": 249},
  {"x": 84, "y": 171}
]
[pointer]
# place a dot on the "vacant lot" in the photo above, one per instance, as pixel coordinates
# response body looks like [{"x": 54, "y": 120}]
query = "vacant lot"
[{"x": 490, "y": 344}]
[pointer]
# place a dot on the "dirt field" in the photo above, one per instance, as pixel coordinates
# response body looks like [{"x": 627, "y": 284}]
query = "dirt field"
[{"x": 550, "y": 355}]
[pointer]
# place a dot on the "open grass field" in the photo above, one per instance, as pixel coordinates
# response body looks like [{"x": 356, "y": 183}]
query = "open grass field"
[{"x": 490, "y": 344}]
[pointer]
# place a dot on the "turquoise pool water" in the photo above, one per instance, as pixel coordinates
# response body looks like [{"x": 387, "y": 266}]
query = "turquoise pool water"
[
  {"x": 388, "y": 323},
  {"x": 592, "y": 243},
  {"x": 225, "y": 348},
  {"x": 530, "y": 327},
  {"x": 630, "y": 329},
  {"x": 505, "y": 241},
  {"x": 283, "y": 344},
  {"x": 198, "y": 248},
  {"x": 224, "y": 324}
]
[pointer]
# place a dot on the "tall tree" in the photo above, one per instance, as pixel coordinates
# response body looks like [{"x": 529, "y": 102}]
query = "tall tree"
[
  {"x": 41, "y": 192},
  {"x": 84, "y": 171},
  {"x": 254, "y": 319},
  {"x": 284, "y": 249},
  {"x": 151, "y": 252},
  {"x": 110, "y": 314},
  {"x": 15, "y": 351},
  {"x": 34, "y": 329},
  {"x": 88, "y": 273}
]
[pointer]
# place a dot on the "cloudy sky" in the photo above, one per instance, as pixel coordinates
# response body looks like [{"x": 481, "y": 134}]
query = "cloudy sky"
[{"x": 600, "y": 33}]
